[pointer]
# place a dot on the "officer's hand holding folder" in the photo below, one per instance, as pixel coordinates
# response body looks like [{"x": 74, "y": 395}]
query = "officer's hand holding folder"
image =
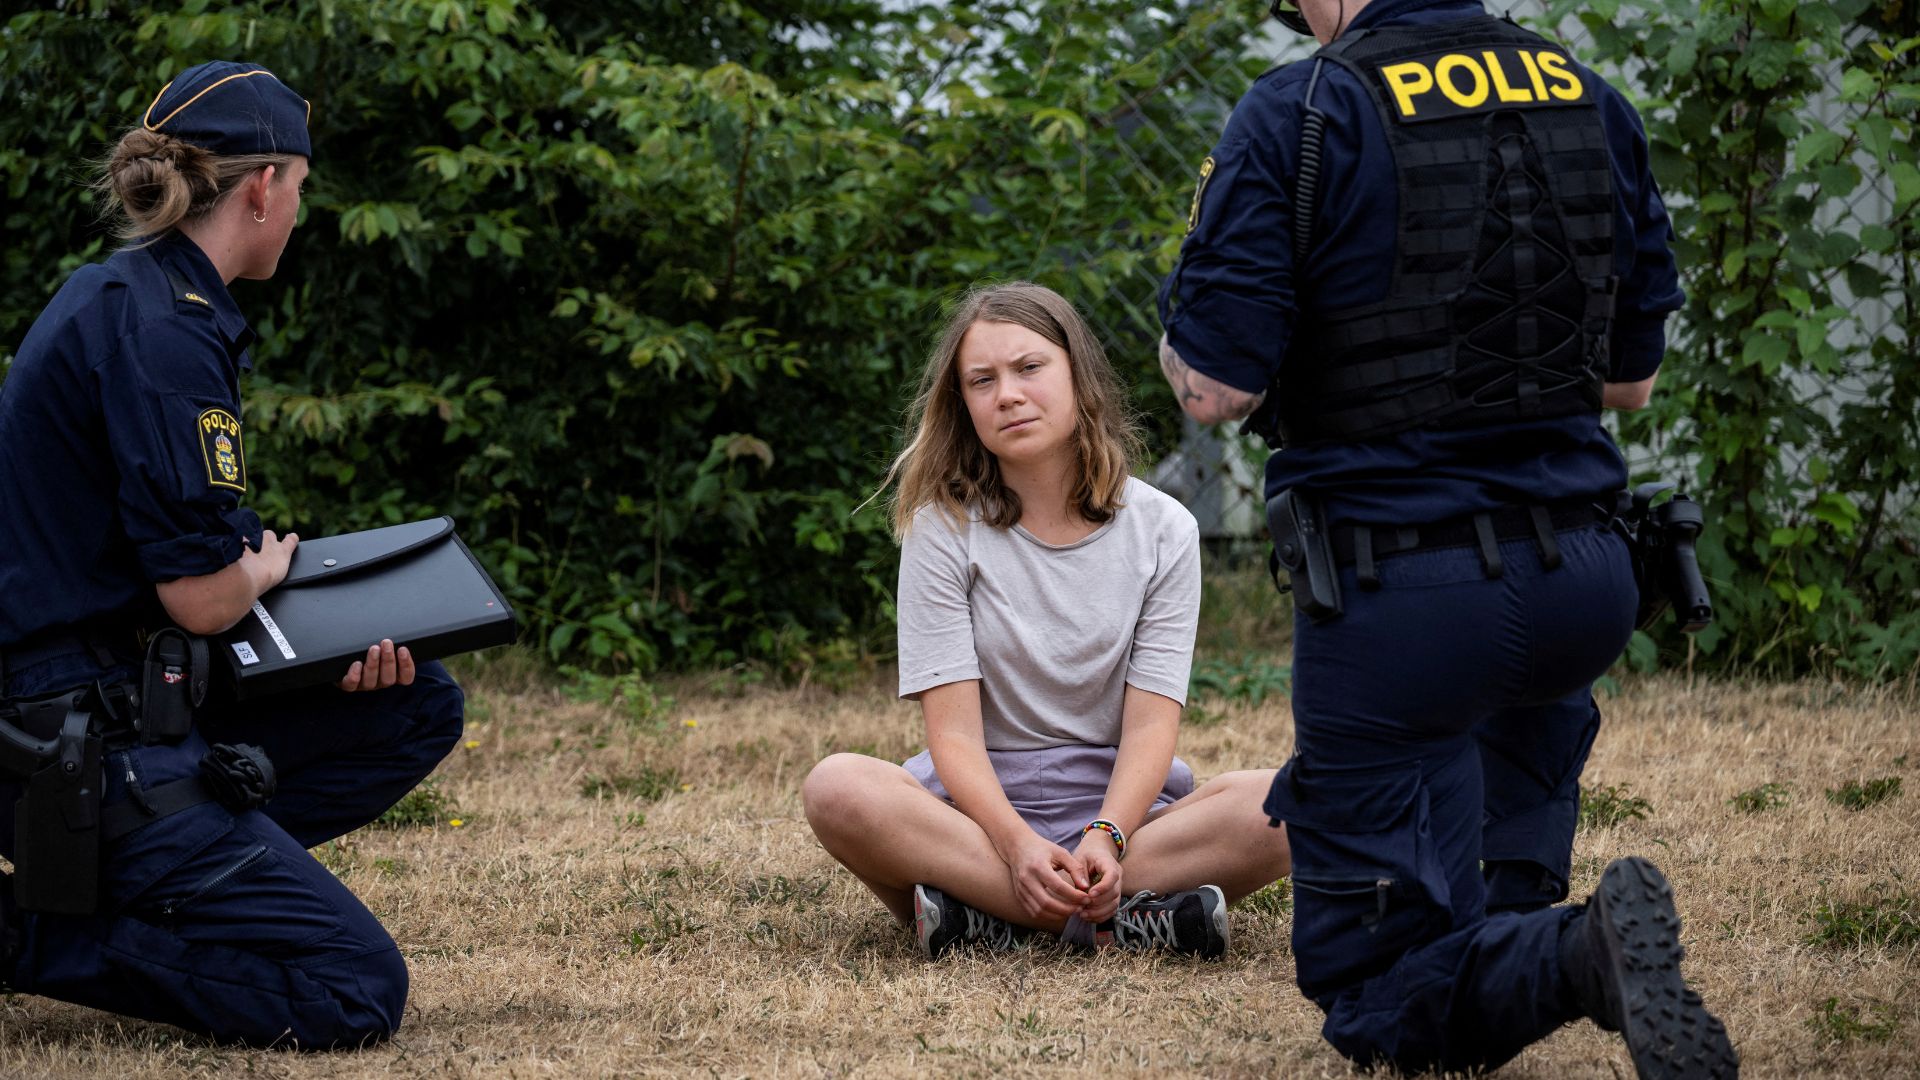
[{"x": 414, "y": 583}]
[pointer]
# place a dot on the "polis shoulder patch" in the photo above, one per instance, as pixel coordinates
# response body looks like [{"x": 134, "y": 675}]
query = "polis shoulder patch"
[
  {"x": 1199, "y": 191},
  {"x": 220, "y": 446},
  {"x": 1447, "y": 84}
]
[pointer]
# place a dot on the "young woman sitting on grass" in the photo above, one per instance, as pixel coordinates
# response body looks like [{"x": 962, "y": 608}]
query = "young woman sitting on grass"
[{"x": 1047, "y": 607}]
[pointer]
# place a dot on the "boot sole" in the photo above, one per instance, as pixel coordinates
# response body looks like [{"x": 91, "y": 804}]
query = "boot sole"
[{"x": 1669, "y": 1031}]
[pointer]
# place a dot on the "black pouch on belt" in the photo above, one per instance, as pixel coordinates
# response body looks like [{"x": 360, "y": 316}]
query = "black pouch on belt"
[
  {"x": 1304, "y": 547},
  {"x": 173, "y": 683},
  {"x": 57, "y": 824}
]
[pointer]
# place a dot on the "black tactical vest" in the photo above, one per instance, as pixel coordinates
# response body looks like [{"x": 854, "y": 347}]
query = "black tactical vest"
[{"x": 1502, "y": 293}]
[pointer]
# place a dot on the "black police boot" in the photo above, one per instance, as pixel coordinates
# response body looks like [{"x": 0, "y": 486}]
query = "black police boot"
[{"x": 1622, "y": 961}]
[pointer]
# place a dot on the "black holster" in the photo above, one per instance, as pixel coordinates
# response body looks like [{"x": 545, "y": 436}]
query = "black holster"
[
  {"x": 52, "y": 745},
  {"x": 1665, "y": 566},
  {"x": 1303, "y": 547}
]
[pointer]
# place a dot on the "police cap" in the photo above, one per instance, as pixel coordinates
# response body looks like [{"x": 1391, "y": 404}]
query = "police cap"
[{"x": 230, "y": 108}]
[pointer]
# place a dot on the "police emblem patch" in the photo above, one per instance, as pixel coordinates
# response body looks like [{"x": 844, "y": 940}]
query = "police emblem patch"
[
  {"x": 220, "y": 447},
  {"x": 1199, "y": 190}
]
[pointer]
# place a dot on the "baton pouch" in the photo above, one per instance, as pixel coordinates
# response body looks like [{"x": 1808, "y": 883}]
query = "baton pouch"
[
  {"x": 1304, "y": 548},
  {"x": 173, "y": 683},
  {"x": 56, "y": 851}
]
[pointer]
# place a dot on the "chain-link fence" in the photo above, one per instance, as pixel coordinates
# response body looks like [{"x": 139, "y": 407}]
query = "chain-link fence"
[{"x": 1216, "y": 473}]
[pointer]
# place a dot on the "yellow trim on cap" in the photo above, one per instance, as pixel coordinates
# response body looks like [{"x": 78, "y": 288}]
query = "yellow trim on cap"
[{"x": 203, "y": 93}]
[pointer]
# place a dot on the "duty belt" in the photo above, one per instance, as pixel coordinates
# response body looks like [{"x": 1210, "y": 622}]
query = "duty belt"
[{"x": 1362, "y": 545}]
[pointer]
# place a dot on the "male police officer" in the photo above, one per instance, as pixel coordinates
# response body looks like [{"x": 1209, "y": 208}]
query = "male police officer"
[
  {"x": 1428, "y": 257},
  {"x": 166, "y": 892}
]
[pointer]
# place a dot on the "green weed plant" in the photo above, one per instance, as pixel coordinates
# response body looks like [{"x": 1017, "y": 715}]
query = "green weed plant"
[
  {"x": 1614, "y": 804},
  {"x": 1857, "y": 795},
  {"x": 1768, "y": 796},
  {"x": 648, "y": 785},
  {"x": 1833, "y": 1023},
  {"x": 426, "y": 805},
  {"x": 1887, "y": 917}
]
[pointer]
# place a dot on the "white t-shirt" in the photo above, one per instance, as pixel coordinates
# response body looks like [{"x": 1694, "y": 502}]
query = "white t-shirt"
[{"x": 1054, "y": 632}]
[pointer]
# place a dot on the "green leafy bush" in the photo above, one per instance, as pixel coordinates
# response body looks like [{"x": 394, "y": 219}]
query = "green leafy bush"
[
  {"x": 1790, "y": 392},
  {"x": 636, "y": 291}
]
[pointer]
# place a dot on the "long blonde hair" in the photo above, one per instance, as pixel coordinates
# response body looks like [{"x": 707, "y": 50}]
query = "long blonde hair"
[{"x": 944, "y": 463}]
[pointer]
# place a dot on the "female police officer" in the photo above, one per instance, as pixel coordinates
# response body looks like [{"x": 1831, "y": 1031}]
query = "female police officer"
[
  {"x": 122, "y": 465},
  {"x": 1429, "y": 257}
]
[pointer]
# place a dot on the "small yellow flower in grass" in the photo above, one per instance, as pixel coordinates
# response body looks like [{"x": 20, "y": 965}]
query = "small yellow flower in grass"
[
  {"x": 473, "y": 744},
  {"x": 456, "y": 822},
  {"x": 691, "y": 723},
  {"x": 686, "y": 787}
]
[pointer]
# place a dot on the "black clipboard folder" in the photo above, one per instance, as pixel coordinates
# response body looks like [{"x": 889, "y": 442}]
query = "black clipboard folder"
[{"x": 415, "y": 583}]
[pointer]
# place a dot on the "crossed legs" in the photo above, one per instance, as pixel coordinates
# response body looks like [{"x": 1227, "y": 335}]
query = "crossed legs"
[{"x": 877, "y": 820}]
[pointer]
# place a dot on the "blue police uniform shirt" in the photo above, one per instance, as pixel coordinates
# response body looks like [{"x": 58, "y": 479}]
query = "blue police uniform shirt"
[
  {"x": 1230, "y": 306},
  {"x": 122, "y": 462}
]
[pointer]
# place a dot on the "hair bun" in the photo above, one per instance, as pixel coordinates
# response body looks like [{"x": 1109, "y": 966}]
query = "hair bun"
[{"x": 159, "y": 180}]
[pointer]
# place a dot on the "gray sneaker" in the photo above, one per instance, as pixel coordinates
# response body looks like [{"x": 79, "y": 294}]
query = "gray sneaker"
[
  {"x": 940, "y": 923},
  {"x": 1192, "y": 922}
]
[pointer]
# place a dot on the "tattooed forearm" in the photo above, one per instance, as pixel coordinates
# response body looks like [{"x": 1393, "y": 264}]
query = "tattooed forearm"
[{"x": 1207, "y": 400}]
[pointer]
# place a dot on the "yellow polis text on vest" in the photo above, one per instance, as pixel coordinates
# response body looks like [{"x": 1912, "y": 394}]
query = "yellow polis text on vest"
[{"x": 1450, "y": 84}]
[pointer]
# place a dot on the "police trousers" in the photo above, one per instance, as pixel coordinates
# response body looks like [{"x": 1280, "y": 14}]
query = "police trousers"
[
  {"x": 222, "y": 923},
  {"x": 1443, "y": 722}
]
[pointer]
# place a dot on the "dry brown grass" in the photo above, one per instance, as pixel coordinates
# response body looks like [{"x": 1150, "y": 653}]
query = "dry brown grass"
[{"x": 555, "y": 934}]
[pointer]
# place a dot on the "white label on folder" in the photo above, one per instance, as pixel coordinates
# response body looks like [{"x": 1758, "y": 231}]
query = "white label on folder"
[
  {"x": 273, "y": 629},
  {"x": 245, "y": 652}
]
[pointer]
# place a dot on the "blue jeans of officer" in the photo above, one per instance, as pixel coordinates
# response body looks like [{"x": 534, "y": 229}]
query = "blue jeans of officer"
[
  {"x": 221, "y": 923},
  {"x": 1443, "y": 720}
]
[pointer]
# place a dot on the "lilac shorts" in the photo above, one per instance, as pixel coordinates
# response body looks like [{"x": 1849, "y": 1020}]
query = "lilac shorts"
[{"x": 1056, "y": 790}]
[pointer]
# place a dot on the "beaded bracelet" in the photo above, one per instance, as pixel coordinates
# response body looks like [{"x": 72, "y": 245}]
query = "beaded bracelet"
[{"x": 1108, "y": 827}]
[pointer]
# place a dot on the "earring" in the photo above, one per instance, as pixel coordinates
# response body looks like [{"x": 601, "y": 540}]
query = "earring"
[{"x": 260, "y": 216}]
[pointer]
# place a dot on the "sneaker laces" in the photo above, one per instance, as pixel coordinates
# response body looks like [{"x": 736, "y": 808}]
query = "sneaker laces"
[
  {"x": 993, "y": 931},
  {"x": 1137, "y": 929}
]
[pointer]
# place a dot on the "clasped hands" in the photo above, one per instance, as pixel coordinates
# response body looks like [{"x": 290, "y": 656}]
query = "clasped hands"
[{"x": 1054, "y": 883}]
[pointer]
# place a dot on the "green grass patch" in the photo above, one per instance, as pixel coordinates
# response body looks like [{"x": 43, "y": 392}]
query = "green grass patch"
[
  {"x": 1605, "y": 807},
  {"x": 1887, "y": 917},
  {"x": 1833, "y": 1023},
  {"x": 647, "y": 785},
  {"x": 425, "y": 805},
  {"x": 1761, "y": 799},
  {"x": 1855, "y": 795},
  {"x": 664, "y": 923},
  {"x": 1275, "y": 900}
]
